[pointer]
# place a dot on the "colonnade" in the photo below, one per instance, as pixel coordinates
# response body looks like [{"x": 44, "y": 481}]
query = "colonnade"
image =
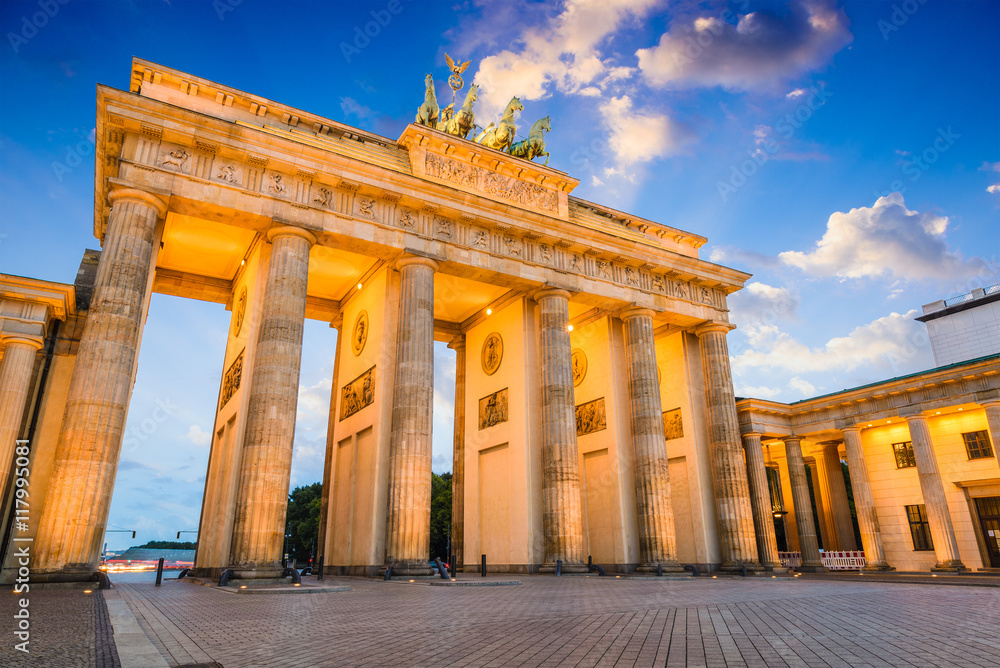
[
  {"x": 90, "y": 437},
  {"x": 931, "y": 487}
]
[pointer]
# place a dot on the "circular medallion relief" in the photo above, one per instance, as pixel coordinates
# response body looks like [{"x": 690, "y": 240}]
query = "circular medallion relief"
[
  {"x": 492, "y": 353},
  {"x": 239, "y": 311},
  {"x": 579, "y": 359},
  {"x": 360, "y": 334}
]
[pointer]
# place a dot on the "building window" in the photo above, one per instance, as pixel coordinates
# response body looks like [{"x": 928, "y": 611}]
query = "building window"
[
  {"x": 904, "y": 455},
  {"x": 977, "y": 444},
  {"x": 919, "y": 528}
]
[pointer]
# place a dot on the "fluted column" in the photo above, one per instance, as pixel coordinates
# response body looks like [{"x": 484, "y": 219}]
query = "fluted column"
[
  {"x": 737, "y": 539},
  {"x": 15, "y": 381},
  {"x": 458, "y": 465},
  {"x": 992, "y": 409},
  {"x": 409, "y": 538},
  {"x": 804, "y": 520},
  {"x": 86, "y": 459},
  {"x": 864, "y": 502},
  {"x": 259, "y": 527},
  {"x": 654, "y": 510},
  {"x": 760, "y": 500},
  {"x": 839, "y": 506},
  {"x": 935, "y": 501},
  {"x": 562, "y": 510}
]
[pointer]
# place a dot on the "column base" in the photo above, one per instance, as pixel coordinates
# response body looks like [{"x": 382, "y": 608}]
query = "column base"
[
  {"x": 572, "y": 567},
  {"x": 878, "y": 566},
  {"x": 412, "y": 567},
  {"x": 812, "y": 567},
  {"x": 737, "y": 566},
  {"x": 955, "y": 566},
  {"x": 90, "y": 575},
  {"x": 776, "y": 568},
  {"x": 254, "y": 571},
  {"x": 666, "y": 566}
]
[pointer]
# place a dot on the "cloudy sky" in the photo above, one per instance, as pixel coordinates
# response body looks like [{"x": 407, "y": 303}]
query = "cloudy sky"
[{"x": 846, "y": 154}]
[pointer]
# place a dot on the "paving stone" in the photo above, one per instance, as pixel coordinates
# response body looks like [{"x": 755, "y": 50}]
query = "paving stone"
[{"x": 547, "y": 621}]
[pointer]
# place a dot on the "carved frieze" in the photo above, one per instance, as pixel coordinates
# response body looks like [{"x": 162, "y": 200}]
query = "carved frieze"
[
  {"x": 227, "y": 173},
  {"x": 357, "y": 394},
  {"x": 591, "y": 417},
  {"x": 231, "y": 381},
  {"x": 493, "y": 409},
  {"x": 366, "y": 208},
  {"x": 407, "y": 219},
  {"x": 324, "y": 197},
  {"x": 497, "y": 185},
  {"x": 176, "y": 158},
  {"x": 673, "y": 426}
]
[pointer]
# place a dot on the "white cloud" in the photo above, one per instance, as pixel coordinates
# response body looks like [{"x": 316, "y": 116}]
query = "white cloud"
[
  {"x": 886, "y": 239},
  {"x": 761, "y": 303},
  {"x": 760, "y": 392},
  {"x": 993, "y": 189},
  {"x": 197, "y": 436},
  {"x": 639, "y": 136},
  {"x": 804, "y": 387},
  {"x": 880, "y": 347},
  {"x": 798, "y": 92},
  {"x": 562, "y": 54},
  {"x": 991, "y": 167},
  {"x": 761, "y": 50}
]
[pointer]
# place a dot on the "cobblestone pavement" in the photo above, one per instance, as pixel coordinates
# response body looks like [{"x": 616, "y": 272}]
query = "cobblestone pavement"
[
  {"x": 571, "y": 621},
  {"x": 68, "y": 628}
]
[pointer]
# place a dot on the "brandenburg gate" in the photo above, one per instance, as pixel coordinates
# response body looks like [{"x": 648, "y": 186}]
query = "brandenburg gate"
[{"x": 594, "y": 410}]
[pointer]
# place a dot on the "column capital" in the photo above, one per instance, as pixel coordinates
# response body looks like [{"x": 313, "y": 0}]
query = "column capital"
[
  {"x": 458, "y": 343},
  {"x": 711, "y": 326},
  {"x": 751, "y": 434},
  {"x": 276, "y": 231},
  {"x": 916, "y": 417},
  {"x": 545, "y": 292},
  {"x": 8, "y": 339},
  {"x": 412, "y": 260},
  {"x": 136, "y": 195},
  {"x": 855, "y": 428},
  {"x": 637, "y": 312},
  {"x": 990, "y": 403},
  {"x": 787, "y": 439}
]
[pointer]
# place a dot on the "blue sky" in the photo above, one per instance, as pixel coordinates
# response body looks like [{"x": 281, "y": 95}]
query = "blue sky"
[{"x": 846, "y": 154}]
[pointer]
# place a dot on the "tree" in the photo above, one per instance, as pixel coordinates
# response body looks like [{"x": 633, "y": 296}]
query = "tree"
[
  {"x": 167, "y": 545},
  {"x": 302, "y": 521},
  {"x": 440, "y": 515}
]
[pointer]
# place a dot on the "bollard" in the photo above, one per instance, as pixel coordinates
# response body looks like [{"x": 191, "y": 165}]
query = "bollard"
[
  {"x": 159, "y": 571},
  {"x": 442, "y": 571},
  {"x": 590, "y": 562},
  {"x": 319, "y": 574},
  {"x": 454, "y": 568},
  {"x": 659, "y": 570},
  {"x": 482, "y": 569},
  {"x": 558, "y": 567}
]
